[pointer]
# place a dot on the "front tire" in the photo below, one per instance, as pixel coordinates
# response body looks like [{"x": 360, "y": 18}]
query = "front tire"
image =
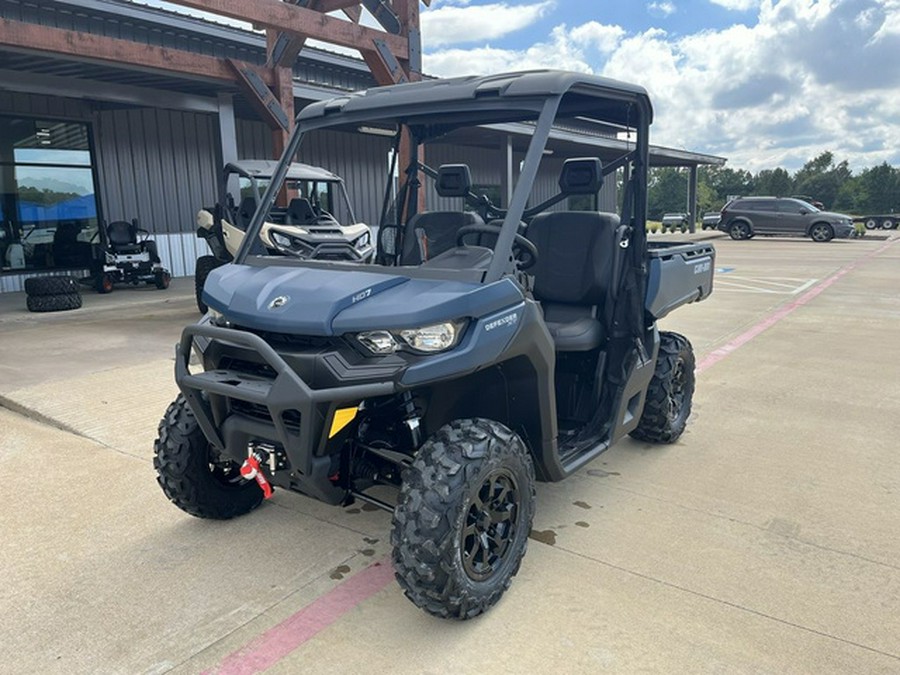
[
  {"x": 739, "y": 230},
  {"x": 205, "y": 265},
  {"x": 670, "y": 393},
  {"x": 193, "y": 475},
  {"x": 461, "y": 526},
  {"x": 821, "y": 232}
]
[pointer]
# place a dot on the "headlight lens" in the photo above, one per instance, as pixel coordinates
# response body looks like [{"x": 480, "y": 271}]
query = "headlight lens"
[
  {"x": 363, "y": 241},
  {"x": 280, "y": 239},
  {"x": 426, "y": 340},
  {"x": 431, "y": 339},
  {"x": 379, "y": 342}
]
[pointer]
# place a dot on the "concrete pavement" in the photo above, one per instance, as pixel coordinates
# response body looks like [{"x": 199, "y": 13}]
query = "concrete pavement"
[{"x": 765, "y": 540}]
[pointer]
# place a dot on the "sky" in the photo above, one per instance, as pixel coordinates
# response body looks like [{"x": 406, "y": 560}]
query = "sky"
[{"x": 763, "y": 83}]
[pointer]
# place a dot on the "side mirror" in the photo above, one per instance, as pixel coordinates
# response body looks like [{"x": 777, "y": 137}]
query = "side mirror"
[
  {"x": 453, "y": 180},
  {"x": 803, "y": 212}
]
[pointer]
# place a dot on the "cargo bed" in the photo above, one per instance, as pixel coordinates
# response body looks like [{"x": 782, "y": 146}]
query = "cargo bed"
[{"x": 679, "y": 273}]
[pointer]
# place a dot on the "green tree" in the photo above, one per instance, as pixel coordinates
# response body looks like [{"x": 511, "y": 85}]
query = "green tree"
[
  {"x": 727, "y": 182},
  {"x": 879, "y": 188},
  {"x": 774, "y": 183},
  {"x": 821, "y": 179},
  {"x": 668, "y": 192}
]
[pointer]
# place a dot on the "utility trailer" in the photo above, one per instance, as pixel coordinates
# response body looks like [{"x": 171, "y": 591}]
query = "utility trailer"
[{"x": 883, "y": 222}]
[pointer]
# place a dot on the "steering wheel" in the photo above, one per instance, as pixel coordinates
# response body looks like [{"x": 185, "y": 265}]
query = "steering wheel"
[{"x": 523, "y": 249}]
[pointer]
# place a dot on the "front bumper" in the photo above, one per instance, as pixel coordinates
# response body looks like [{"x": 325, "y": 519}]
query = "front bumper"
[{"x": 235, "y": 408}]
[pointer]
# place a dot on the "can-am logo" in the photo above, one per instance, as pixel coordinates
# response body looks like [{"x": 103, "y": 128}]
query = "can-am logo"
[
  {"x": 507, "y": 320},
  {"x": 280, "y": 301}
]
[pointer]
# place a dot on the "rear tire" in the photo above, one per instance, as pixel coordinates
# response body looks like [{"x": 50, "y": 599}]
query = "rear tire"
[
  {"x": 871, "y": 224},
  {"x": 670, "y": 393},
  {"x": 162, "y": 278},
  {"x": 51, "y": 286},
  {"x": 888, "y": 224},
  {"x": 205, "y": 265},
  {"x": 739, "y": 230},
  {"x": 461, "y": 526},
  {"x": 53, "y": 303},
  {"x": 193, "y": 475}
]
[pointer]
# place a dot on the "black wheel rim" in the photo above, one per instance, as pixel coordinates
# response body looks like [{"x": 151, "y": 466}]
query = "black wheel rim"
[
  {"x": 677, "y": 391},
  {"x": 489, "y": 526}
]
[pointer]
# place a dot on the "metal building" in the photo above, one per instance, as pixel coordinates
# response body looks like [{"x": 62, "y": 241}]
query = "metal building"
[{"x": 85, "y": 141}]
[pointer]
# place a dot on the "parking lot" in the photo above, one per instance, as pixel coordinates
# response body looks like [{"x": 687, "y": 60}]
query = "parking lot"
[{"x": 766, "y": 540}]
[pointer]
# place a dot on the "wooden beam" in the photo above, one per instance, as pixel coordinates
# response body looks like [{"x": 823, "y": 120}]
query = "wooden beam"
[
  {"x": 383, "y": 64},
  {"x": 408, "y": 12},
  {"x": 267, "y": 104},
  {"x": 114, "y": 51},
  {"x": 283, "y": 50},
  {"x": 314, "y": 24},
  {"x": 334, "y": 5},
  {"x": 353, "y": 13}
]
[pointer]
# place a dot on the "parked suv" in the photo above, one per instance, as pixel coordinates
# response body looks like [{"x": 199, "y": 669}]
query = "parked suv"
[{"x": 746, "y": 217}]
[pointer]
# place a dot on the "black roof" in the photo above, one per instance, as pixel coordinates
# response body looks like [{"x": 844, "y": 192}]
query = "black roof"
[{"x": 511, "y": 97}]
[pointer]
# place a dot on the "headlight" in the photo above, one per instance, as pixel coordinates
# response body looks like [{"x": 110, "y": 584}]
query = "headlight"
[
  {"x": 431, "y": 339},
  {"x": 425, "y": 340},
  {"x": 216, "y": 318},
  {"x": 363, "y": 241},
  {"x": 280, "y": 239},
  {"x": 379, "y": 342}
]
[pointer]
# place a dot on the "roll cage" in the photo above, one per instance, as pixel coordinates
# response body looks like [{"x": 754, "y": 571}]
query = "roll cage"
[{"x": 431, "y": 109}]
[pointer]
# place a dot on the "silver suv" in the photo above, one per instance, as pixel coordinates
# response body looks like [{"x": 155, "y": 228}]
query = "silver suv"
[{"x": 745, "y": 217}]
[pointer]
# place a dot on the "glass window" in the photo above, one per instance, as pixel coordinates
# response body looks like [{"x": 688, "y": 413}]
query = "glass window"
[{"x": 48, "y": 206}]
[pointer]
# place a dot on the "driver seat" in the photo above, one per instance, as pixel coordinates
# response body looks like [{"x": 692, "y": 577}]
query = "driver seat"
[
  {"x": 573, "y": 274},
  {"x": 434, "y": 232},
  {"x": 300, "y": 212}
]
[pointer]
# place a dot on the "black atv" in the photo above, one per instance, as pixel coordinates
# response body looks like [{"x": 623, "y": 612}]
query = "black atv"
[{"x": 485, "y": 349}]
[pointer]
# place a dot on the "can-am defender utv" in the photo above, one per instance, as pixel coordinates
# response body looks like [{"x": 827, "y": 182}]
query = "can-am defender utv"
[
  {"x": 309, "y": 227},
  {"x": 485, "y": 349}
]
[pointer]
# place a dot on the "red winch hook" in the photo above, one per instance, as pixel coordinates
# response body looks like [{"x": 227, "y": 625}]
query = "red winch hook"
[{"x": 250, "y": 469}]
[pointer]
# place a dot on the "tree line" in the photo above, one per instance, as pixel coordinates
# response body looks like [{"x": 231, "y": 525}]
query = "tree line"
[{"x": 872, "y": 191}]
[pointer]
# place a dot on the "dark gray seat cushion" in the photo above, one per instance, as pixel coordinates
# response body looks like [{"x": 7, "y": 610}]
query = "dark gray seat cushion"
[{"x": 573, "y": 273}]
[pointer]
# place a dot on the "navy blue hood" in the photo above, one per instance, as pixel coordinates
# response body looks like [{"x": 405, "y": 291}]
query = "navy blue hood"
[{"x": 311, "y": 301}]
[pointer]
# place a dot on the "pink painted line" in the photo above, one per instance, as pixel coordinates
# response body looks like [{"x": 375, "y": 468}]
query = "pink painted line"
[
  {"x": 279, "y": 641},
  {"x": 717, "y": 355}
]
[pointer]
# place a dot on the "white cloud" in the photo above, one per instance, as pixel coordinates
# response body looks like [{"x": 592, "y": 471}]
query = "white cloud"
[
  {"x": 455, "y": 24},
  {"x": 737, "y": 5},
  {"x": 661, "y": 8},
  {"x": 600, "y": 36},
  {"x": 808, "y": 77}
]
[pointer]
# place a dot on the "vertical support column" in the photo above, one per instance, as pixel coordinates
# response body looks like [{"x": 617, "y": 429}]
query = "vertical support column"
[
  {"x": 228, "y": 139},
  {"x": 408, "y": 13},
  {"x": 507, "y": 178},
  {"x": 692, "y": 197},
  {"x": 283, "y": 88}
]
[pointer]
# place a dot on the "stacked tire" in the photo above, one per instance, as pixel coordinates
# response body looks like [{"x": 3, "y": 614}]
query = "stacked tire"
[{"x": 52, "y": 294}]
